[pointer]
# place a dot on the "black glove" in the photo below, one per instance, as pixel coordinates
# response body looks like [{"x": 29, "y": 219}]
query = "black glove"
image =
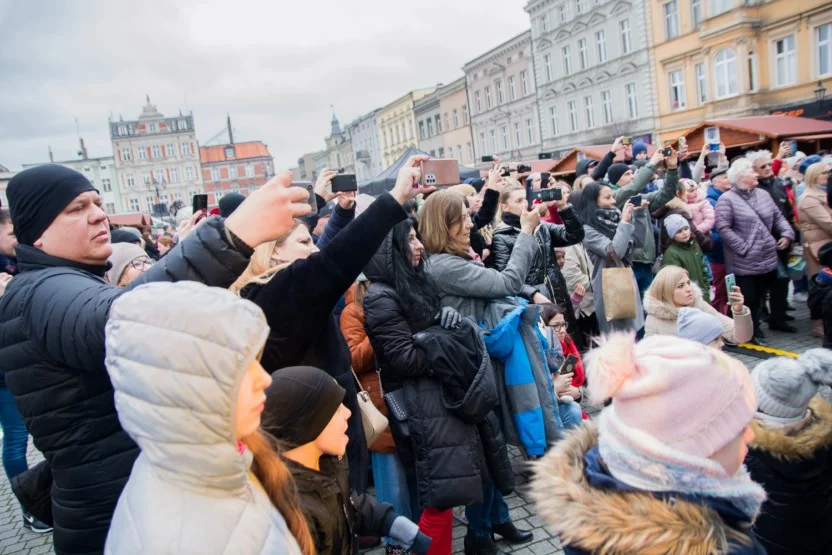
[{"x": 449, "y": 318}]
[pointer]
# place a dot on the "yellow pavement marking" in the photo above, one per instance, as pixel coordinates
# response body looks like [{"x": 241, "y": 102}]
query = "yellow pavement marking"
[{"x": 769, "y": 350}]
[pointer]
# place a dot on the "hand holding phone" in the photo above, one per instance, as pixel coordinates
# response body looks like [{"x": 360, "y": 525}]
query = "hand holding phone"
[
  {"x": 730, "y": 282},
  {"x": 568, "y": 366},
  {"x": 636, "y": 200}
]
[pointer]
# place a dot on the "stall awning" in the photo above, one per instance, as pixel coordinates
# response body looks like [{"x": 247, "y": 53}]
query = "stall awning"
[
  {"x": 134, "y": 219},
  {"x": 737, "y": 132},
  {"x": 569, "y": 163}
]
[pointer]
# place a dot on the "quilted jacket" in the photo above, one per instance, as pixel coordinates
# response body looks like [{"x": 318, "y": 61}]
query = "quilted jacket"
[{"x": 176, "y": 355}]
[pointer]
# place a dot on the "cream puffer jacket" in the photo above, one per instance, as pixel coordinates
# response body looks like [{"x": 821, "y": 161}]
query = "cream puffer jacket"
[
  {"x": 661, "y": 318},
  {"x": 177, "y": 354}
]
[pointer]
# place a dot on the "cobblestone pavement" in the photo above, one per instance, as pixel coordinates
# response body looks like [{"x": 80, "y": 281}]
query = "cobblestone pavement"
[{"x": 14, "y": 539}]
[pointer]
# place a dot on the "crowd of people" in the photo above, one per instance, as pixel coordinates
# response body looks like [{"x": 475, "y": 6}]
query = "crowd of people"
[{"x": 244, "y": 382}]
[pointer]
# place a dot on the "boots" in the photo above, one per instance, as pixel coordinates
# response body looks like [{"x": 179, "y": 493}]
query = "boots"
[
  {"x": 817, "y": 329},
  {"x": 476, "y": 546},
  {"x": 511, "y": 534}
]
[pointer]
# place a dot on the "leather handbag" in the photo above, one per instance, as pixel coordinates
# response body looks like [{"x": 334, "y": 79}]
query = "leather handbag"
[
  {"x": 397, "y": 409},
  {"x": 619, "y": 289},
  {"x": 371, "y": 418}
]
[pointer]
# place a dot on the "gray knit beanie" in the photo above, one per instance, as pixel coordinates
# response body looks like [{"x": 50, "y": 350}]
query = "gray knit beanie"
[
  {"x": 698, "y": 326},
  {"x": 123, "y": 255},
  {"x": 785, "y": 386}
]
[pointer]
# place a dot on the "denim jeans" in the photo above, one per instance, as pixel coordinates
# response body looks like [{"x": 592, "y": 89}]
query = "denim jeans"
[
  {"x": 392, "y": 486},
  {"x": 570, "y": 414},
  {"x": 482, "y": 516},
  {"x": 15, "y": 436},
  {"x": 644, "y": 276}
]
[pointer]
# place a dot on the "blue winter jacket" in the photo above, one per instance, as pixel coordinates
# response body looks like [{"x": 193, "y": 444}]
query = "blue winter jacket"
[{"x": 716, "y": 254}]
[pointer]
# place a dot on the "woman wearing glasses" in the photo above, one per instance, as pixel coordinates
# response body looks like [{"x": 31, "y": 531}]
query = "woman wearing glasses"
[
  {"x": 816, "y": 226},
  {"x": 567, "y": 385},
  {"x": 128, "y": 262}
]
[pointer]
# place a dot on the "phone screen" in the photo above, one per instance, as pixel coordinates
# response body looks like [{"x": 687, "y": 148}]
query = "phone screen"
[{"x": 200, "y": 202}]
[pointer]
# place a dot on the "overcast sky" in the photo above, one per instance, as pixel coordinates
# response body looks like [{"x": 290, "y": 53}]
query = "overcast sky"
[{"x": 275, "y": 66}]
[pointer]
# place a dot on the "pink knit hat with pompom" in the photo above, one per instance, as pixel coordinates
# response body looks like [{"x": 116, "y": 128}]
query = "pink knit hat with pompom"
[{"x": 686, "y": 395}]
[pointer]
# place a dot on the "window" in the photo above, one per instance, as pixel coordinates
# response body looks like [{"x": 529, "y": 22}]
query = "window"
[
  {"x": 573, "y": 115},
  {"x": 122, "y": 130},
  {"x": 470, "y": 151},
  {"x": 134, "y": 205},
  {"x": 601, "y": 46},
  {"x": 487, "y": 98},
  {"x": 190, "y": 173},
  {"x": 129, "y": 180},
  {"x": 606, "y": 100},
  {"x": 456, "y": 119},
  {"x": 249, "y": 170},
  {"x": 624, "y": 29},
  {"x": 580, "y": 7},
  {"x": 110, "y": 208},
  {"x": 563, "y": 12},
  {"x": 524, "y": 83},
  {"x": 720, "y": 6},
  {"x": 149, "y": 201},
  {"x": 125, "y": 155},
  {"x": 547, "y": 63},
  {"x": 498, "y": 86},
  {"x": 106, "y": 185},
  {"x": 695, "y": 13},
  {"x": 512, "y": 88},
  {"x": 701, "y": 83},
  {"x": 671, "y": 19},
  {"x": 421, "y": 133},
  {"x": 151, "y": 128},
  {"x": 459, "y": 153},
  {"x": 232, "y": 170},
  {"x": 493, "y": 141},
  {"x": 588, "y": 112},
  {"x": 447, "y": 124},
  {"x": 438, "y": 125},
  {"x": 582, "y": 53},
  {"x": 450, "y": 151},
  {"x": 479, "y": 101},
  {"x": 567, "y": 60},
  {"x": 186, "y": 149},
  {"x": 632, "y": 100},
  {"x": 170, "y": 150},
  {"x": 785, "y": 61},
  {"x": 752, "y": 71},
  {"x": 518, "y": 136},
  {"x": 156, "y": 151},
  {"x": 465, "y": 118},
  {"x": 530, "y": 131},
  {"x": 544, "y": 23},
  {"x": 823, "y": 38},
  {"x": 410, "y": 128},
  {"x": 174, "y": 175},
  {"x": 504, "y": 136},
  {"x": 677, "y": 89},
  {"x": 399, "y": 137},
  {"x": 159, "y": 176},
  {"x": 482, "y": 143},
  {"x": 553, "y": 119},
  {"x": 142, "y": 153}
]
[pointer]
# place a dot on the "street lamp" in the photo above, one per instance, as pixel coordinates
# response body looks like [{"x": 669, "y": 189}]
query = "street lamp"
[
  {"x": 820, "y": 93},
  {"x": 157, "y": 186}
]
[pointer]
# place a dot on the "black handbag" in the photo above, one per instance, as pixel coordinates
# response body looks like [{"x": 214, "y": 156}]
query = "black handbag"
[{"x": 397, "y": 410}]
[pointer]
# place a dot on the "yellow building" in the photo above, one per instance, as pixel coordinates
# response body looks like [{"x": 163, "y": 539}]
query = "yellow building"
[
  {"x": 396, "y": 126},
  {"x": 732, "y": 58}
]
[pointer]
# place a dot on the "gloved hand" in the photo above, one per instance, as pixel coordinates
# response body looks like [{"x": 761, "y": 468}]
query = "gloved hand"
[
  {"x": 449, "y": 318},
  {"x": 407, "y": 534}
]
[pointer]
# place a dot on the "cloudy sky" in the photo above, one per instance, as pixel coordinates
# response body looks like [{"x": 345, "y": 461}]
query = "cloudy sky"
[{"x": 276, "y": 66}]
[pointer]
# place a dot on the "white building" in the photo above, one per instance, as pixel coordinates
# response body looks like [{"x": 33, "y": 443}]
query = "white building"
[
  {"x": 365, "y": 147},
  {"x": 429, "y": 123},
  {"x": 157, "y": 159},
  {"x": 592, "y": 71},
  {"x": 501, "y": 94}
]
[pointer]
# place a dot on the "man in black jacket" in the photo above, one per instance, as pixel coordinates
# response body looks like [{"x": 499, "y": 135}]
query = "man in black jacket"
[{"x": 52, "y": 320}]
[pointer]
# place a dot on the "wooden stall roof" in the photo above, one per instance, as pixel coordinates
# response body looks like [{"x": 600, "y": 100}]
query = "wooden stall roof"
[
  {"x": 132, "y": 219},
  {"x": 738, "y": 132},
  {"x": 569, "y": 163}
]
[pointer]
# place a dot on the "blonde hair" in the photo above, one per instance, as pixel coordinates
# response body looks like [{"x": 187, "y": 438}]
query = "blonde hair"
[
  {"x": 260, "y": 269},
  {"x": 464, "y": 189},
  {"x": 277, "y": 482},
  {"x": 812, "y": 174},
  {"x": 581, "y": 182},
  {"x": 664, "y": 284},
  {"x": 443, "y": 211}
]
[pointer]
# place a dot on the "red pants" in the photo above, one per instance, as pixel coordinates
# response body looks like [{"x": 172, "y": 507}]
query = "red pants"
[
  {"x": 720, "y": 301},
  {"x": 439, "y": 526}
]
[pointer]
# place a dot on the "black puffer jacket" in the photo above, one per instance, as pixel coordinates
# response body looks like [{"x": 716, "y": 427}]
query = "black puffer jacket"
[
  {"x": 52, "y": 320},
  {"x": 774, "y": 186},
  {"x": 443, "y": 453}
]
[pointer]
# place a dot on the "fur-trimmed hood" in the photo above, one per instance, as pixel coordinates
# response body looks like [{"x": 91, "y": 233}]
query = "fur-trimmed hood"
[
  {"x": 678, "y": 204},
  {"x": 669, "y": 311},
  {"x": 618, "y": 521},
  {"x": 801, "y": 445}
]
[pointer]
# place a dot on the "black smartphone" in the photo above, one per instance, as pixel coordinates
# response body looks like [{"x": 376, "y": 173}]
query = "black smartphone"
[
  {"x": 200, "y": 203},
  {"x": 667, "y": 151},
  {"x": 544, "y": 179},
  {"x": 344, "y": 182},
  {"x": 548, "y": 195},
  {"x": 309, "y": 187},
  {"x": 487, "y": 158},
  {"x": 569, "y": 365},
  {"x": 523, "y": 168},
  {"x": 635, "y": 200}
]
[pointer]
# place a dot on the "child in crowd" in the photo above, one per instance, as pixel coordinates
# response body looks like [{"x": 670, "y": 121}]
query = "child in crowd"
[
  {"x": 568, "y": 385},
  {"x": 304, "y": 410},
  {"x": 683, "y": 251},
  {"x": 791, "y": 456},
  {"x": 701, "y": 211},
  {"x": 700, "y": 327},
  {"x": 663, "y": 471}
]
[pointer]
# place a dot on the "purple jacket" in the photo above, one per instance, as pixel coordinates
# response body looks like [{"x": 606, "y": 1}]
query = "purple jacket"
[{"x": 745, "y": 221}]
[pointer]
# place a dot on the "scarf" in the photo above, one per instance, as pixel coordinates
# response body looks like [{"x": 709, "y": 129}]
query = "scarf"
[
  {"x": 643, "y": 462},
  {"x": 512, "y": 220},
  {"x": 607, "y": 220}
]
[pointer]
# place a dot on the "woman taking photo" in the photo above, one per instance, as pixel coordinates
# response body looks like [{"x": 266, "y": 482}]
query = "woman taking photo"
[
  {"x": 467, "y": 286},
  {"x": 816, "y": 227},
  {"x": 297, "y": 287},
  {"x": 609, "y": 239},
  {"x": 673, "y": 290}
]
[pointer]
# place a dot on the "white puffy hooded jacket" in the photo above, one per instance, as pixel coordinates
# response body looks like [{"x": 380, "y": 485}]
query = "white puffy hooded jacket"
[{"x": 176, "y": 355}]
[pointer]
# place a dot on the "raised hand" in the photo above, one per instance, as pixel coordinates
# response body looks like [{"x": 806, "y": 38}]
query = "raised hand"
[
  {"x": 529, "y": 221},
  {"x": 407, "y": 183},
  {"x": 322, "y": 184}
]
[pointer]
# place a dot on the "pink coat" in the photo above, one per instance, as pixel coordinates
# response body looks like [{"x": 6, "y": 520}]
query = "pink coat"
[{"x": 702, "y": 213}]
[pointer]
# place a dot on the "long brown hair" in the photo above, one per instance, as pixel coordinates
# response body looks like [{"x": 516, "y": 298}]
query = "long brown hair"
[
  {"x": 278, "y": 484},
  {"x": 360, "y": 291},
  {"x": 443, "y": 211}
]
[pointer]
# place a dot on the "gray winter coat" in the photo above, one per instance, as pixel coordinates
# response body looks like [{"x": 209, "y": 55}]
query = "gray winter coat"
[
  {"x": 749, "y": 223},
  {"x": 176, "y": 355},
  {"x": 467, "y": 286}
]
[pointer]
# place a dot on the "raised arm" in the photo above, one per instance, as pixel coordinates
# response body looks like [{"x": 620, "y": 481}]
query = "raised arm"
[
  {"x": 570, "y": 233},
  {"x": 488, "y": 210}
]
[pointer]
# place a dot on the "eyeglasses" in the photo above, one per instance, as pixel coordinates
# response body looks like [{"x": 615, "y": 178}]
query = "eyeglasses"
[
  {"x": 140, "y": 263},
  {"x": 557, "y": 327}
]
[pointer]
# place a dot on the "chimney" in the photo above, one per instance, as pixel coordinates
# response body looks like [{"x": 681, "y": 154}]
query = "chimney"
[
  {"x": 83, "y": 151},
  {"x": 230, "y": 133},
  {"x": 51, "y": 158}
]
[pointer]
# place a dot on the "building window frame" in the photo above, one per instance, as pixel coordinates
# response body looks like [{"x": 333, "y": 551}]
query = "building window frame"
[
  {"x": 625, "y": 32},
  {"x": 567, "y": 59},
  {"x": 670, "y": 16},
  {"x": 572, "y": 108},
  {"x": 631, "y": 92},
  {"x": 676, "y": 85},
  {"x": 589, "y": 112},
  {"x": 606, "y": 101},
  {"x": 583, "y": 55},
  {"x": 701, "y": 82},
  {"x": 601, "y": 46},
  {"x": 553, "y": 120},
  {"x": 512, "y": 88},
  {"x": 547, "y": 65},
  {"x": 785, "y": 60},
  {"x": 823, "y": 50},
  {"x": 524, "y": 83}
]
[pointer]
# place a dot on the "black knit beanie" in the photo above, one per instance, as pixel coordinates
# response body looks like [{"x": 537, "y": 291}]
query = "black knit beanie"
[
  {"x": 616, "y": 171},
  {"x": 38, "y": 195},
  {"x": 229, "y": 203},
  {"x": 300, "y": 402}
]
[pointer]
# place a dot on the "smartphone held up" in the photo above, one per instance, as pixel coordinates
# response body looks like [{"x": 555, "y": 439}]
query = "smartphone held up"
[
  {"x": 309, "y": 187},
  {"x": 439, "y": 173}
]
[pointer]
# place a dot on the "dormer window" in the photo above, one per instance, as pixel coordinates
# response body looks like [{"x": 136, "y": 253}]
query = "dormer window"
[{"x": 229, "y": 152}]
